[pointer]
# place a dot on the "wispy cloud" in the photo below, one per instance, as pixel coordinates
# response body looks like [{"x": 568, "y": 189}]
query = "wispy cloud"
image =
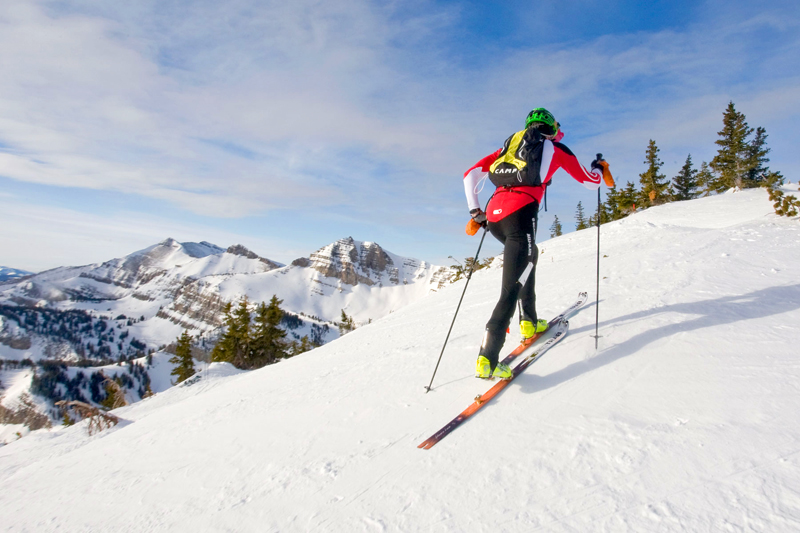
[
  {"x": 358, "y": 111},
  {"x": 129, "y": 103},
  {"x": 615, "y": 93}
]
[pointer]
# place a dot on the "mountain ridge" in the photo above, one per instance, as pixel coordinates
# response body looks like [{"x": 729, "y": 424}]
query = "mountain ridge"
[
  {"x": 8, "y": 274},
  {"x": 188, "y": 284}
]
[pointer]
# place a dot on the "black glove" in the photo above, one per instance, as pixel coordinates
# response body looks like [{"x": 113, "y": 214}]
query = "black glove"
[
  {"x": 596, "y": 163},
  {"x": 478, "y": 216}
]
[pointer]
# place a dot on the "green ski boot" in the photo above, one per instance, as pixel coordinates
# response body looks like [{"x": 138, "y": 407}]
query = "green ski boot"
[
  {"x": 528, "y": 329},
  {"x": 483, "y": 369}
]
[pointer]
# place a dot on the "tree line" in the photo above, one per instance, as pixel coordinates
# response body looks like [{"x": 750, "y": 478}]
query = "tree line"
[
  {"x": 74, "y": 330},
  {"x": 52, "y": 382},
  {"x": 740, "y": 162},
  {"x": 251, "y": 338}
]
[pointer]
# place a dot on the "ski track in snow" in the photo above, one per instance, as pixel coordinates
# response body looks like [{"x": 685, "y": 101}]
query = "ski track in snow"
[{"x": 685, "y": 419}]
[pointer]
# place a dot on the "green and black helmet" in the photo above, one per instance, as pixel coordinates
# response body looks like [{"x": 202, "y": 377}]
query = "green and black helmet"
[{"x": 544, "y": 121}]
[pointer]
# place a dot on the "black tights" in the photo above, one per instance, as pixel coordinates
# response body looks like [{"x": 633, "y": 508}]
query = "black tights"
[{"x": 517, "y": 232}]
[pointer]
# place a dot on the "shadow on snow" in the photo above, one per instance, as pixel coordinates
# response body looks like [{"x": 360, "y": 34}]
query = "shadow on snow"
[{"x": 706, "y": 313}]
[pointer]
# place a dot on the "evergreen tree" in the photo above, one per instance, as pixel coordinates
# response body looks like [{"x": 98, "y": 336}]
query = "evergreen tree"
[
  {"x": 704, "y": 179},
  {"x": 654, "y": 185},
  {"x": 184, "y": 364},
  {"x": 241, "y": 317},
  {"x": 685, "y": 183},
  {"x": 233, "y": 346},
  {"x": 612, "y": 206},
  {"x": 773, "y": 180},
  {"x": 580, "y": 218},
  {"x": 757, "y": 160},
  {"x": 346, "y": 323},
  {"x": 627, "y": 198},
  {"x": 249, "y": 347},
  {"x": 603, "y": 213},
  {"x": 302, "y": 346},
  {"x": 268, "y": 343},
  {"x": 735, "y": 157},
  {"x": 785, "y": 205},
  {"x": 224, "y": 349},
  {"x": 555, "y": 229}
]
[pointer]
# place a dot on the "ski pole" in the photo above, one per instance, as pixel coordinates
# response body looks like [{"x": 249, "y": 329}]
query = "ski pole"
[
  {"x": 469, "y": 276},
  {"x": 597, "y": 303}
]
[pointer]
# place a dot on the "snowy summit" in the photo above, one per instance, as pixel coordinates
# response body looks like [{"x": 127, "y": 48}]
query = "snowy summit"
[
  {"x": 11, "y": 274},
  {"x": 171, "y": 286}
]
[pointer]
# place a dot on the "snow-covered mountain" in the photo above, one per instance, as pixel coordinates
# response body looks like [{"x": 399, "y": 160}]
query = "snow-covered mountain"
[
  {"x": 11, "y": 274},
  {"x": 684, "y": 419},
  {"x": 153, "y": 294}
]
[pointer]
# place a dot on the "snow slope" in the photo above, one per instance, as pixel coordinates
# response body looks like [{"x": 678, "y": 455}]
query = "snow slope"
[{"x": 685, "y": 419}]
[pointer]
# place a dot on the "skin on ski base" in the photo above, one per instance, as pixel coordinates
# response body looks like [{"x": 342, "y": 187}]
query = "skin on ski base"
[{"x": 560, "y": 331}]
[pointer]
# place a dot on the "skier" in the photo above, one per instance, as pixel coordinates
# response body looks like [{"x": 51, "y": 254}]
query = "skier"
[{"x": 520, "y": 171}]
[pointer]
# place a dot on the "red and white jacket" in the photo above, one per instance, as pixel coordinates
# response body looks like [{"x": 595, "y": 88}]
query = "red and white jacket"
[{"x": 504, "y": 202}]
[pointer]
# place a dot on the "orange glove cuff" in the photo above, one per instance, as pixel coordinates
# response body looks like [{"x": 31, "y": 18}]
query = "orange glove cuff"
[
  {"x": 472, "y": 227},
  {"x": 607, "y": 177}
]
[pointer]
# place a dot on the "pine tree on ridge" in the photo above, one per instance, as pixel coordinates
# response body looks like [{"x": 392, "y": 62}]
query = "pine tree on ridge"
[
  {"x": 183, "y": 361},
  {"x": 556, "y": 230},
  {"x": 685, "y": 183},
  {"x": 580, "y": 218},
  {"x": 654, "y": 185}
]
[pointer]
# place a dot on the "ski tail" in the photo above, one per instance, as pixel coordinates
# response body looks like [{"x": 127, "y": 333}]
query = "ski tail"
[{"x": 559, "y": 331}]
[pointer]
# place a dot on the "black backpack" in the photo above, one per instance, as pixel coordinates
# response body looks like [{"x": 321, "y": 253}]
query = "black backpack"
[{"x": 520, "y": 160}]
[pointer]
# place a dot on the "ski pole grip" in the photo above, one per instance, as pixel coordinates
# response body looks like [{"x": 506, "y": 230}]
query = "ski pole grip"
[{"x": 599, "y": 157}]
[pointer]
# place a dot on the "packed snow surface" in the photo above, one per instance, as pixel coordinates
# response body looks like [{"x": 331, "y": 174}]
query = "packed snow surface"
[{"x": 684, "y": 419}]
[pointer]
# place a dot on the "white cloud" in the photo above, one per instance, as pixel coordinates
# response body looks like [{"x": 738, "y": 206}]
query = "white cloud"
[
  {"x": 349, "y": 108},
  {"x": 89, "y": 101}
]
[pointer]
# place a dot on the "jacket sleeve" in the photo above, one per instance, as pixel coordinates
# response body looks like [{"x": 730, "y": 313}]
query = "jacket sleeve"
[
  {"x": 562, "y": 157},
  {"x": 473, "y": 177}
]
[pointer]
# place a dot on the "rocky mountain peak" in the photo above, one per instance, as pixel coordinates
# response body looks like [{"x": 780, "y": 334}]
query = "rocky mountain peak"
[
  {"x": 241, "y": 250},
  {"x": 352, "y": 262}
]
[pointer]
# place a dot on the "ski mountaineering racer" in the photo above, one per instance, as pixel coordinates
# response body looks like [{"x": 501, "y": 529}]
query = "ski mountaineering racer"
[{"x": 520, "y": 171}]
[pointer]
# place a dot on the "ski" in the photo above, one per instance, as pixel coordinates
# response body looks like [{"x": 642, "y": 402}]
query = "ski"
[
  {"x": 527, "y": 343},
  {"x": 559, "y": 332}
]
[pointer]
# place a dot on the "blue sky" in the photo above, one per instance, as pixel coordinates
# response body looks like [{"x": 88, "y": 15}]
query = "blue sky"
[{"x": 285, "y": 126}]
